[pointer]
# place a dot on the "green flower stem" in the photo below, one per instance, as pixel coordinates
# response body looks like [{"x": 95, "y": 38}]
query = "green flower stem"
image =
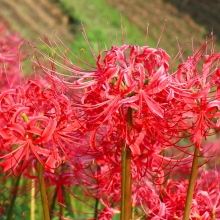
[
  {"x": 126, "y": 188},
  {"x": 15, "y": 191},
  {"x": 32, "y": 212},
  {"x": 132, "y": 212},
  {"x": 213, "y": 215},
  {"x": 96, "y": 208},
  {"x": 52, "y": 206},
  {"x": 41, "y": 182},
  {"x": 43, "y": 193},
  {"x": 61, "y": 206},
  {"x": 73, "y": 203},
  {"x": 123, "y": 181},
  {"x": 61, "y": 212},
  {"x": 191, "y": 185}
]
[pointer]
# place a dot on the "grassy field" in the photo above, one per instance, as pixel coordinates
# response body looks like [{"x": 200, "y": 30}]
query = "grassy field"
[{"x": 102, "y": 24}]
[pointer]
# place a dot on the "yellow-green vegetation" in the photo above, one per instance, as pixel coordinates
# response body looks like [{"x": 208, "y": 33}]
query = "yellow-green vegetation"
[{"x": 100, "y": 21}]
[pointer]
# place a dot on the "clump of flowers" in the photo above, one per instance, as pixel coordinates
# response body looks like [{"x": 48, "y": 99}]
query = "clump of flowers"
[
  {"x": 34, "y": 122},
  {"x": 205, "y": 204},
  {"x": 117, "y": 131}
]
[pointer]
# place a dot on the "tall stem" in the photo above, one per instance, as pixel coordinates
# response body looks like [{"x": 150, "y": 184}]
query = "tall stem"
[
  {"x": 123, "y": 180},
  {"x": 96, "y": 208},
  {"x": 191, "y": 185},
  {"x": 61, "y": 212},
  {"x": 73, "y": 204},
  {"x": 15, "y": 191},
  {"x": 132, "y": 212},
  {"x": 61, "y": 206},
  {"x": 42, "y": 185},
  {"x": 126, "y": 187},
  {"x": 52, "y": 205},
  {"x": 32, "y": 212},
  {"x": 43, "y": 193}
]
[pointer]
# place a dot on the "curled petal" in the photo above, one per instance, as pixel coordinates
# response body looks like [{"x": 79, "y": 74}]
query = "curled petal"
[
  {"x": 154, "y": 107},
  {"x": 53, "y": 162},
  {"x": 47, "y": 133},
  {"x": 16, "y": 127}
]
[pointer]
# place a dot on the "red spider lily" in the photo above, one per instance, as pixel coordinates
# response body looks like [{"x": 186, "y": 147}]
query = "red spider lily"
[
  {"x": 77, "y": 125},
  {"x": 63, "y": 179},
  {"x": 106, "y": 214},
  {"x": 106, "y": 172},
  {"x": 175, "y": 196},
  {"x": 202, "y": 103},
  {"x": 164, "y": 109},
  {"x": 127, "y": 77},
  {"x": 206, "y": 199},
  {"x": 60, "y": 181},
  {"x": 140, "y": 81},
  {"x": 47, "y": 132},
  {"x": 146, "y": 199}
]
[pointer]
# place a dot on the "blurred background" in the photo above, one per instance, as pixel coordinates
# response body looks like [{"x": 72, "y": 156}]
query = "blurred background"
[{"x": 103, "y": 19}]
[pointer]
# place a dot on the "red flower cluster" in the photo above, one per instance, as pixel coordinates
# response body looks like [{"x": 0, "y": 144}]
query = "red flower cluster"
[
  {"x": 35, "y": 120},
  {"x": 206, "y": 199},
  {"x": 129, "y": 101},
  {"x": 165, "y": 108}
]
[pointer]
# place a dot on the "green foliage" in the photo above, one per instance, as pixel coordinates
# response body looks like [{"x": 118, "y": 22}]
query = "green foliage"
[{"x": 100, "y": 21}]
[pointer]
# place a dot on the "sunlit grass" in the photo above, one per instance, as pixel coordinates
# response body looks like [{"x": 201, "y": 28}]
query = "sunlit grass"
[{"x": 103, "y": 26}]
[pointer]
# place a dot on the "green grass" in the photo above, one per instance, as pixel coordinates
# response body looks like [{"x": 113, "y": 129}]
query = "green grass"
[{"x": 94, "y": 16}]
